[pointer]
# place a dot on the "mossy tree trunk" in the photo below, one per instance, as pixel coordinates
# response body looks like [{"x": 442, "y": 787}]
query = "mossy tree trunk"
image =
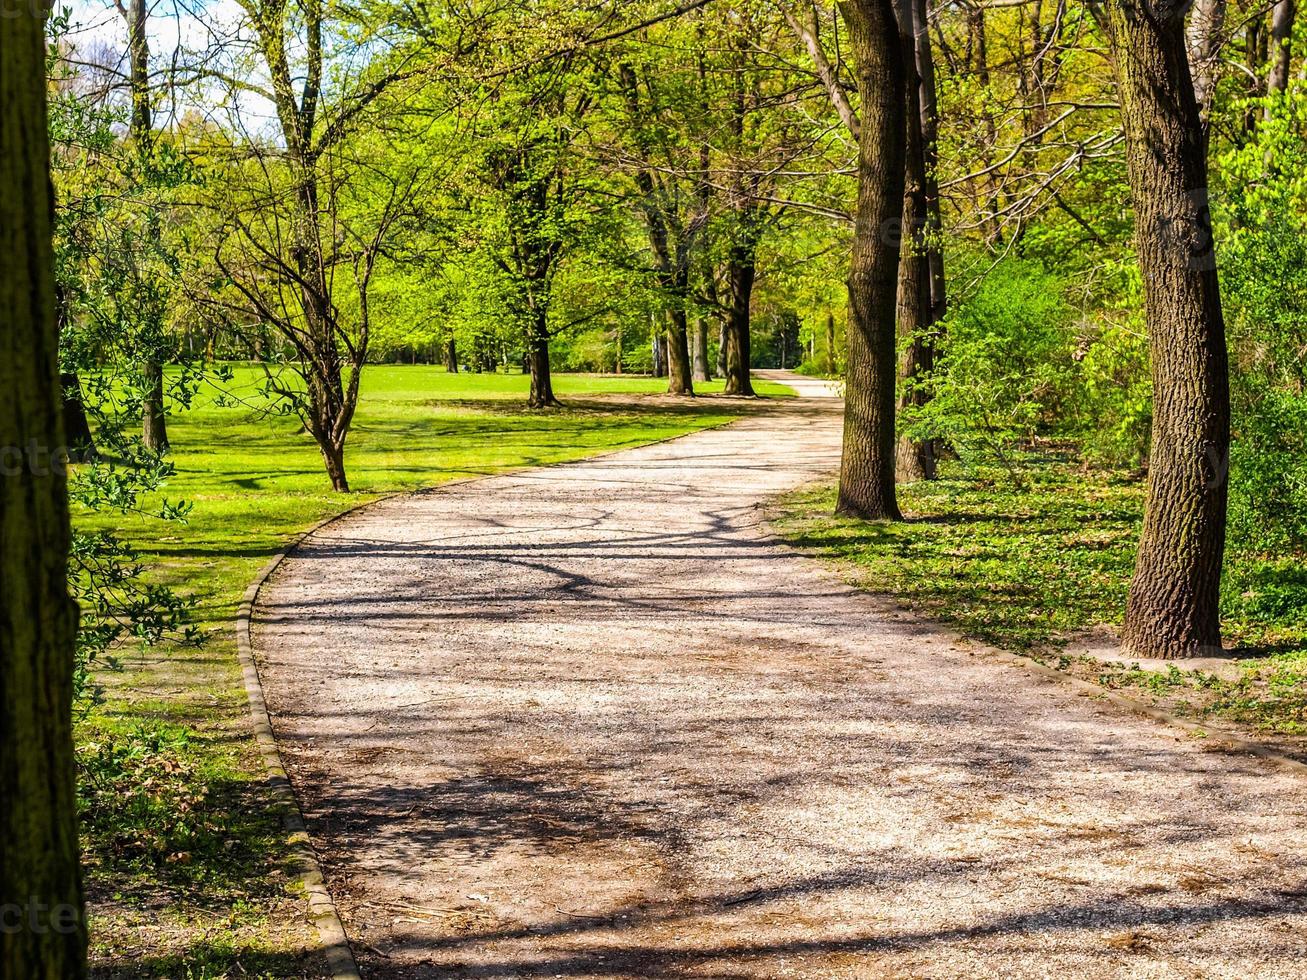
[
  {"x": 43, "y": 935},
  {"x": 867, "y": 465},
  {"x": 1173, "y": 606}
]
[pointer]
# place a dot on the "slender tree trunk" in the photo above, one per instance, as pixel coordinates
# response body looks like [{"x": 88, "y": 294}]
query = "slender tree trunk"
[
  {"x": 77, "y": 427},
  {"x": 451, "y": 356},
  {"x": 702, "y": 370},
  {"x": 723, "y": 351},
  {"x": 679, "y": 381},
  {"x": 1203, "y": 40},
  {"x": 1255, "y": 51},
  {"x": 542, "y": 385},
  {"x": 659, "y": 346},
  {"x": 915, "y": 459},
  {"x": 1173, "y": 608},
  {"x": 832, "y": 363},
  {"x": 154, "y": 425},
  {"x": 1282, "y": 16},
  {"x": 978, "y": 44},
  {"x": 43, "y": 936},
  {"x": 925, "y": 60},
  {"x": 867, "y": 465}
]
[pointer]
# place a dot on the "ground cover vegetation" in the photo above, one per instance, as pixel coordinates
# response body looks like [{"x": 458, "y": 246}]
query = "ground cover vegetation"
[{"x": 1054, "y": 252}]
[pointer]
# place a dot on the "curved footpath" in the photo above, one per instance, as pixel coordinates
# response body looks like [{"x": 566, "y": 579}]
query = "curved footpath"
[{"x": 593, "y": 721}]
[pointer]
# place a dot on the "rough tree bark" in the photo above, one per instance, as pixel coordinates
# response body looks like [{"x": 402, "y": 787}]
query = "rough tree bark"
[
  {"x": 915, "y": 459},
  {"x": 43, "y": 936},
  {"x": 867, "y": 465},
  {"x": 450, "y": 351},
  {"x": 1173, "y": 608}
]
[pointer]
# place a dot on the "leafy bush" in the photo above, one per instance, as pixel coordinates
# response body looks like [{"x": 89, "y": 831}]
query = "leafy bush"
[
  {"x": 1268, "y": 467},
  {"x": 1116, "y": 394},
  {"x": 1005, "y": 367},
  {"x": 1264, "y": 287}
]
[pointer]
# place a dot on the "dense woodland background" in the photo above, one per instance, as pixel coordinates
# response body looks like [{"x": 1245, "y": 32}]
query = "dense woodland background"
[{"x": 487, "y": 183}]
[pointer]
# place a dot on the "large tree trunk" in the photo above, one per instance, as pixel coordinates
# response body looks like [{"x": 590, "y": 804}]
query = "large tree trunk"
[
  {"x": 915, "y": 459},
  {"x": 679, "y": 381},
  {"x": 740, "y": 273},
  {"x": 867, "y": 465},
  {"x": 537, "y": 356},
  {"x": 702, "y": 369},
  {"x": 43, "y": 936},
  {"x": 1173, "y": 608},
  {"x": 450, "y": 351}
]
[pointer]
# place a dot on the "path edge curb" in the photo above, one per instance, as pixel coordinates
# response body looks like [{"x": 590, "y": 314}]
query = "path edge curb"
[
  {"x": 335, "y": 946},
  {"x": 1219, "y": 739}
]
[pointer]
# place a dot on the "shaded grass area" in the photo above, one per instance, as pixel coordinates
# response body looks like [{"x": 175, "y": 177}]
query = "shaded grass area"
[
  {"x": 186, "y": 864},
  {"x": 1034, "y": 567}
]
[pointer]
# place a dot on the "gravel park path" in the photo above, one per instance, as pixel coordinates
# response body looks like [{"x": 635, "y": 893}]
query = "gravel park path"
[{"x": 593, "y": 720}]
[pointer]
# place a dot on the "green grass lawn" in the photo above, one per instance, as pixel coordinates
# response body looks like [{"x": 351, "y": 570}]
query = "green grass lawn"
[
  {"x": 185, "y": 860},
  {"x": 1027, "y": 569}
]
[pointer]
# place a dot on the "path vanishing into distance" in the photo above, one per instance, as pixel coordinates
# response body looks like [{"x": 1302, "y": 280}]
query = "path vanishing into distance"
[{"x": 593, "y": 720}]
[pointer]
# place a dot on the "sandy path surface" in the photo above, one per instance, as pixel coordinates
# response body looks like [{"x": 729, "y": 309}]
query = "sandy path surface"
[{"x": 592, "y": 721}]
